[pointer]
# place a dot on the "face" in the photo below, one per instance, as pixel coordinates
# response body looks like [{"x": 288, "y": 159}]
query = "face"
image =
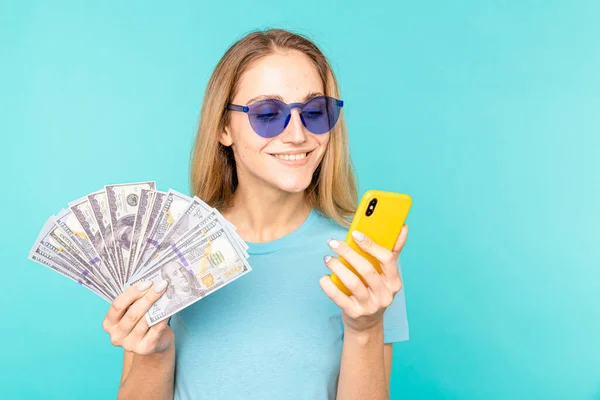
[
  {"x": 286, "y": 162},
  {"x": 173, "y": 273}
]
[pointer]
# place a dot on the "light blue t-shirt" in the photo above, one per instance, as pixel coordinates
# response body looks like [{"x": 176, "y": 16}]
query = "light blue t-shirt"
[{"x": 272, "y": 334}]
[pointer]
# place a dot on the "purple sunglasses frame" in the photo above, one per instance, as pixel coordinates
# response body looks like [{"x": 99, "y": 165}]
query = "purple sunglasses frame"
[{"x": 247, "y": 109}]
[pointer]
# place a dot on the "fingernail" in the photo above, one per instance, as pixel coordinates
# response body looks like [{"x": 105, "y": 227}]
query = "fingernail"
[
  {"x": 326, "y": 259},
  {"x": 143, "y": 285},
  {"x": 160, "y": 286},
  {"x": 358, "y": 236},
  {"x": 333, "y": 243}
]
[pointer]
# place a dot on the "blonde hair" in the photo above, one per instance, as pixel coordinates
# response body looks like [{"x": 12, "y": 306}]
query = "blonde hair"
[{"x": 213, "y": 178}]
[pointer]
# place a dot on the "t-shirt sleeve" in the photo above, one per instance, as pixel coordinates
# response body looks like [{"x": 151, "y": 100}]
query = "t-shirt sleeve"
[{"x": 395, "y": 323}]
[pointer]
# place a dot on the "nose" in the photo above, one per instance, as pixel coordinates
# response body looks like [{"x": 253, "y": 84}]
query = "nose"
[{"x": 295, "y": 132}]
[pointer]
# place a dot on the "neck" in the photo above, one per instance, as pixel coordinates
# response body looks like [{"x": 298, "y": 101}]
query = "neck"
[{"x": 264, "y": 214}]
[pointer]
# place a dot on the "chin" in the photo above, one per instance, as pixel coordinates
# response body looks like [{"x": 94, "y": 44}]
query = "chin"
[{"x": 294, "y": 184}]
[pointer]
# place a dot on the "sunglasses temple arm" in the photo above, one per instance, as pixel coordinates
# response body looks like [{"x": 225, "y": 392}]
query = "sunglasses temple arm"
[{"x": 235, "y": 107}]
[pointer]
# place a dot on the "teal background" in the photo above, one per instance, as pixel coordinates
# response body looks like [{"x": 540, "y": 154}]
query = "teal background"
[{"x": 486, "y": 113}]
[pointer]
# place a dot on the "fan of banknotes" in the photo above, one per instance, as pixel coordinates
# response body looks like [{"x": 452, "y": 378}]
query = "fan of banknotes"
[{"x": 113, "y": 238}]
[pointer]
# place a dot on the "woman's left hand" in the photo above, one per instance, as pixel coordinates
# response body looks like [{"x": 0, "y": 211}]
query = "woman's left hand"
[{"x": 364, "y": 309}]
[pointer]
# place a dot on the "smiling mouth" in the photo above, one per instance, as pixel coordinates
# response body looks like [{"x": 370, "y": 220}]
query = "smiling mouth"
[{"x": 292, "y": 157}]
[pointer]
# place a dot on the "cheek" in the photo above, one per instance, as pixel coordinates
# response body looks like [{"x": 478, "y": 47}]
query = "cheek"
[
  {"x": 323, "y": 141},
  {"x": 247, "y": 147},
  {"x": 247, "y": 144},
  {"x": 240, "y": 130}
]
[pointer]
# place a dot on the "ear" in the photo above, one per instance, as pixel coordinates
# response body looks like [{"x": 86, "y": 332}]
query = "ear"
[{"x": 225, "y": 137}]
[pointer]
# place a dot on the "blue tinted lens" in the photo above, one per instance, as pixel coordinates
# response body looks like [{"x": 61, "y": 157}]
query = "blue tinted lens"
[
  {"x": 320, "y": 114},
  {"x": 269, "y": 118}
]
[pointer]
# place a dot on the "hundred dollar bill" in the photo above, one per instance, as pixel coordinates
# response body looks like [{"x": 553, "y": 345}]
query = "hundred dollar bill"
[
  {"x": 204, "y": 228},
  {"x": 231, "y": 227},
  {"x": 82, "y": 210},
  {"x": 195, "y": 273},
  {"x": 58, "y": 242},
  {"x": 157, "y": 204},
  {"x": 40, "y": 251},
  {"x": 174, "y": 205},
  {"x": 123, "y": 203},
  {"x": 59, "y": 236},
  {"x": 141, "y": 217},
  {"x": 71, "y": 226},
  {"x": 99, "y": 205},
  {"x": 47, "y": 258},
  {"x": 193, "y": 214},
  {"x": 211, "y": 223},
  {"x": 189, "y": 227}
]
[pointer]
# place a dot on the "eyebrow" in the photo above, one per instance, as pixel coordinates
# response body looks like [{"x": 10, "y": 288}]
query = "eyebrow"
[{"x": 278, "y": 97}]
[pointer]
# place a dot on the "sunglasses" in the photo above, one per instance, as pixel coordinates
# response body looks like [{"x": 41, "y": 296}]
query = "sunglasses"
[{"x": 270, "y": 117}]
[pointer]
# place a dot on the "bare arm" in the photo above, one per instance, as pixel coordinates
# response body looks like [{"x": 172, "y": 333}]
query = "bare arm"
[
  {"x": 148, "y": 377},
  {"x": 149, "y": 361},
  {"x": 366, "y": 366},
  {"x": 387, "y": 360},
  {"x": 366, "y": 361}
]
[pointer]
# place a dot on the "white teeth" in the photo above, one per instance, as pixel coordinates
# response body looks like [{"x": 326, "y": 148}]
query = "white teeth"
[{"x": 290, "y": 157}]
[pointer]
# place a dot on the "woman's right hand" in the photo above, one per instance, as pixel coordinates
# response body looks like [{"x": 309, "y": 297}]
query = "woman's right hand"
[{"x": 126, "y": 324}]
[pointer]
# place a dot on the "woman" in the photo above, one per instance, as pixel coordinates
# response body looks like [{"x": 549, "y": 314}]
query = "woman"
[{"x": 272, "y": 155}]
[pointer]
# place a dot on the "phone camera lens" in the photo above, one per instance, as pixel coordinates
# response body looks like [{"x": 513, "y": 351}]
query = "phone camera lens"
[{"x": 371, "y": 207}]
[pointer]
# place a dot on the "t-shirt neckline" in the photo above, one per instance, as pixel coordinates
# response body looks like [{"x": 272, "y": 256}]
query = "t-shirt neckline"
[{"x": 278, "y": 244}]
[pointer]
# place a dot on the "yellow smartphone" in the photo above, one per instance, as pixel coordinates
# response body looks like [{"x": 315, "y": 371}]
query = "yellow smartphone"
[{"x": 380, "y": 216}]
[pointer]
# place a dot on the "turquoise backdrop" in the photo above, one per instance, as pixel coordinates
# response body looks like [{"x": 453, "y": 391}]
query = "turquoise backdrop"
[{"x": 486, "y": 112}]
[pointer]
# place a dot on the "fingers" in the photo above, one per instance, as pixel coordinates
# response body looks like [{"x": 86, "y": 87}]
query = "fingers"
[
  {"x": 152, "y": 339},
  {"x": 348, "y": 278},
  {"x": 132, "y": 339},
  {"x": 126, "y": 314},
  {"x": 335, "y": 294},
  {"x": 122, "y": 302},
  {"x": 144, "y": 340},
  {"x": 372, "y": 293},
  {"x": 401, "y": 240},
  {"x": 361, "y": 264},
  {"x": 386, "y": 257},
  {"x": 137, "y": 310}
]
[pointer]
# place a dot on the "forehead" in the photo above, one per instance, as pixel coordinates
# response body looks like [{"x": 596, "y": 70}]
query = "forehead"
[
  {"x": 171, "y": 267},
  {"x": 291, "y": 75}
]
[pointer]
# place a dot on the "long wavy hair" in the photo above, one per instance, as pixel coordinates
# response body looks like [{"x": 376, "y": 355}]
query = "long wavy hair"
[{"x": 213, "y": 178}]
